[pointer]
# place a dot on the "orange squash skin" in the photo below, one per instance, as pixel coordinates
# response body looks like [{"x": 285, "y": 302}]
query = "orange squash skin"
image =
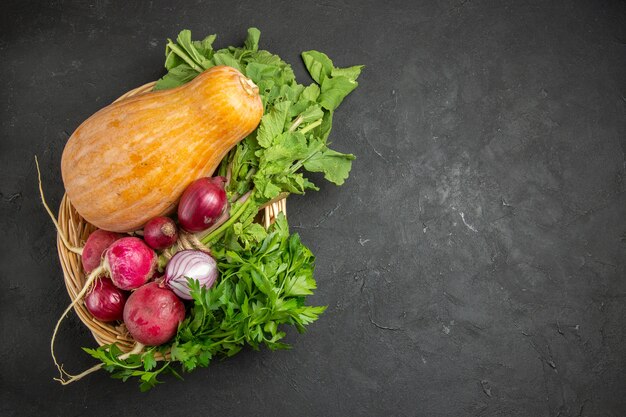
[{"x": 132, "y": 160}]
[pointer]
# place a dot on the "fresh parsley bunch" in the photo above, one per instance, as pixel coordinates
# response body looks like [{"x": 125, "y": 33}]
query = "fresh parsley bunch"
[{"x": 265, "y": 275}]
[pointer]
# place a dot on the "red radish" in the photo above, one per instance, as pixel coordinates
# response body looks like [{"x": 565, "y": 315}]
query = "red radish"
[
  {"x": 105, "y": 301},
  {"x": 96, "y": 244},
  {"x": 128, "y": 261},
  {"x": 131, "y": 263},
  {"x": 152, "y": 314},
  {"x": 202, "y": 203},
  {"x": 160, "y": 233}
]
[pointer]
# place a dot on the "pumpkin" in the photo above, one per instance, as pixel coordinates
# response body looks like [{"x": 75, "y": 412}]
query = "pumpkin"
[{"x": 132, "y": 160}]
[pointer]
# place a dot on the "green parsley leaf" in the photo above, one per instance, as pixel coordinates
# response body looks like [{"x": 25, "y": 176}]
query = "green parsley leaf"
[
  {"x": 351, "y": 73},
  {"x": 335, "y": 165},
  {"x": 318, "y": 64},
  {"x": 334, "y": 90},
  {"x": 225, "y": 58},
  {"x": 178, "y": 75},
  {"x": 252, "y": 40},
  {"x": 272, "y": 124}
]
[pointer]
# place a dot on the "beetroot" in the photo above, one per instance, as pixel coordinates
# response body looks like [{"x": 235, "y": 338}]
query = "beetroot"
[
  {"x": 131, "y": 262},
  {"x": 105, "y": 301},
  {"x": 160, "y": 233},
  {"x": 96, "y": 244},
  {"x": 152, "y": 314}
]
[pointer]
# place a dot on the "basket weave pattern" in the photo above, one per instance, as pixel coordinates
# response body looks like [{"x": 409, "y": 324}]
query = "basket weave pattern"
[{"x": 77, "y": 229}]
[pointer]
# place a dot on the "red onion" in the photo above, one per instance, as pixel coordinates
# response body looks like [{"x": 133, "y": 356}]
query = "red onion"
[
  {"x": 202, "y": 203},
  {"x": 160, "y": 233},
  {"x": 105, "y": 301},
  {"x": 192, "y": 264}
]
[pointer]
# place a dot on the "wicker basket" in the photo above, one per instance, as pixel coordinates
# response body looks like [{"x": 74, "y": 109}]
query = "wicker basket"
[{"x": 78, "y": 229}]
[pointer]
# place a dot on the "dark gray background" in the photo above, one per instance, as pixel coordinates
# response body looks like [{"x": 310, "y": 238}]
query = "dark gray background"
[{"x": 474, "y": 262}]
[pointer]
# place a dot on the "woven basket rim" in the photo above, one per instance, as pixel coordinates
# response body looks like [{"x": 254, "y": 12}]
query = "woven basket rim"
[{"x": 77, "y": 229}]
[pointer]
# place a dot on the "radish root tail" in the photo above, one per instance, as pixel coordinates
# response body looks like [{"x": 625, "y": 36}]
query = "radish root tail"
[
  {"x": 68, "y": 379},
  {"x": 90, "y": 279},
  {"x": 54, "y": 220}
]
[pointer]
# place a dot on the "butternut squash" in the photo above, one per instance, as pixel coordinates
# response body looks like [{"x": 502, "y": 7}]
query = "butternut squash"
[{"x": 132, "y": 160}]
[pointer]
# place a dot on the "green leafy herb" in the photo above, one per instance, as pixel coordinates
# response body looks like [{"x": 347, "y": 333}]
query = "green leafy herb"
[
  {"x": 265, "y": 275},
  {"x": 260, "y": 288},
  {"x": 297, "y": 121}
]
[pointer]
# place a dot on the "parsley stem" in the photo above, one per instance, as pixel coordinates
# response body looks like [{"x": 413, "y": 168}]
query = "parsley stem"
[
  {"x": 301, "y": 162},
  {"x": 223, "y": 218},
  {"x": 311, "y": 126},
  {"x": 216, "y": 335},
  {"x": 296, "y": 123},
  {"x": 233, "y": 218}
]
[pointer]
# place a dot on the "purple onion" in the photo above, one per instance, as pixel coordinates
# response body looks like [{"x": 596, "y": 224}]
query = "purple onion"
[
  {"x": 202, "y": 203},
  {"x": 160, "y": 233},
  {"x": 192, "y": 264}
]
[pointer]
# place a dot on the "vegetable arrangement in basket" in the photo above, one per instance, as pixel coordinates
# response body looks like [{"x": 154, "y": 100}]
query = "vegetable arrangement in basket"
[{"x": 175, "y": 181}]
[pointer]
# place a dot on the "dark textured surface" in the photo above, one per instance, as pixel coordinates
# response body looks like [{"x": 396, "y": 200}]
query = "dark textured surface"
[{"x": 473, "y": 264}]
